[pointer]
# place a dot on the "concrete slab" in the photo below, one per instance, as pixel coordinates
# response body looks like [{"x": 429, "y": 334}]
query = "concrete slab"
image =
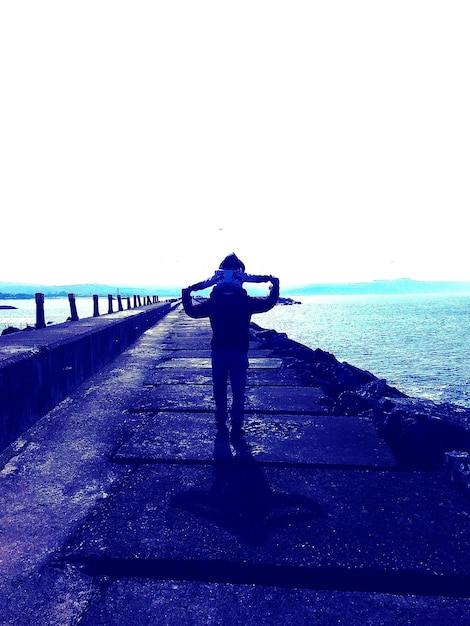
[
  {"x": 287, "y": 400},
  {"x": 184, "y": 331},
  {"x": 185, "y": 352},
  {"x": 205, "y": 362},
  {"x": 177, "y": 376},
  {"x": 193, "y": 376},
  {"x": 170, "y": 602},
  {"x": 69, "y": 596},
  {"x": 374, "y": 531},
  {"x": 181, "y": 397},
  {"x": 187, "y": 341},
  {"x": 193, "y": 437},
  {"x": 173, "y": 352},
  {"x": 185, "y": 363},
  {"x": 184, "y": 397}
]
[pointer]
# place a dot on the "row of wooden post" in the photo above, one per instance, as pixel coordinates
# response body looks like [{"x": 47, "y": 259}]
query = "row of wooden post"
[{"x": 138, "y": 302}]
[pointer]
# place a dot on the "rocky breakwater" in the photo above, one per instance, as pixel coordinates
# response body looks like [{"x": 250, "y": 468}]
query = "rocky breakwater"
[{"x": 423, "y": 435}]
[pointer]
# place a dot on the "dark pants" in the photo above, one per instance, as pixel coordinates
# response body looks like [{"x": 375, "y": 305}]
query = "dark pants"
[{"x": 233, "y": 363}]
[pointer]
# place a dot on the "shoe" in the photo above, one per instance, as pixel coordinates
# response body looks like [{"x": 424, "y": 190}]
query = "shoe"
[
  {"x": 221, "y": 420},
  {"x": 222, "y": 429},
  {"x": 237, "y": 432}
]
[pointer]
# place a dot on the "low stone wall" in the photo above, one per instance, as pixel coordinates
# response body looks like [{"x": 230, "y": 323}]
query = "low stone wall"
[{"x": 39, "y": 368}]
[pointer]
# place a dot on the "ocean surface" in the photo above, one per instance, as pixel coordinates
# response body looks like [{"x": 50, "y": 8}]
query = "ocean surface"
[
  {"x": 56, "y": 310},
  {"x": 418, "y": 343}
]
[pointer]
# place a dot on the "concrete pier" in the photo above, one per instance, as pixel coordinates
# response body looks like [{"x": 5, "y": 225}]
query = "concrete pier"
[
  {"x": 40, "y": 368},
  {"x": 125, "y": 505}
]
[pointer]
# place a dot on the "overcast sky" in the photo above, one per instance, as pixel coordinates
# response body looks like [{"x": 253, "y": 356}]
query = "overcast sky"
[{"x": 141, "y": 142}]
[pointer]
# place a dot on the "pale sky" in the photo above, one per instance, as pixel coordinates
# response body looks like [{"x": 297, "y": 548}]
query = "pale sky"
[{"x": 141, "y": 142}]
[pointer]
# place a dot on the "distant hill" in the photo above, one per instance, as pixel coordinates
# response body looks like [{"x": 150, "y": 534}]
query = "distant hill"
[
  {"x": 377, "y": 287},
  {"x": 381, "y": 287},
  {"x": 20, "y": 290}
]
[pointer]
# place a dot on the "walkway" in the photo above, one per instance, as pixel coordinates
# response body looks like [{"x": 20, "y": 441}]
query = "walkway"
[{"x": 124, "y": 505}]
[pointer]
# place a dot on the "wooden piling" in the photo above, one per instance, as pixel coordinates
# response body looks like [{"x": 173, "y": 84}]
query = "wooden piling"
[
  {"x": 96, "y": 308},
  {"x": 110, "y": 303},
  {"x": 73, "y": 308},
  {"x": 40, "y": 319}
]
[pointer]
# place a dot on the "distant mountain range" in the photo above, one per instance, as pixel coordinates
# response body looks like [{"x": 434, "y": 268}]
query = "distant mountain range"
[
  {"x": 20, "y": 290},
  {"x": 381, "y": 287},
  {"x": 377, "y": 287}
]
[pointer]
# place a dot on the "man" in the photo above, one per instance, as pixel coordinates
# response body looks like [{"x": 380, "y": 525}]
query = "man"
[{"x": 229, "y": 309}]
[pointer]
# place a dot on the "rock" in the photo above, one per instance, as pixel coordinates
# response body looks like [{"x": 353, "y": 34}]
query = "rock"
[
  {"x": 9, "y": 330},
  {"x": 457, "y": 468},
  {"x": 321, "y": 367},
  {"x": 363, "y": 401},
  {"x": 420, "y": 432}
]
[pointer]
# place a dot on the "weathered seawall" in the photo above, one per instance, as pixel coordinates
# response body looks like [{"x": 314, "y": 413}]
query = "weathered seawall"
[{"x": 38, "y": 369}]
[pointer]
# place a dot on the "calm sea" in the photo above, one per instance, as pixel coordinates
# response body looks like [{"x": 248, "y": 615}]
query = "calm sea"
[
  {"x": 418, "y": 343},
  {"x": 56, "y": 311}
]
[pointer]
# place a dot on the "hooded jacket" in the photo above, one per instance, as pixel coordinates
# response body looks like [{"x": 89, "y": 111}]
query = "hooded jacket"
[{"x": 230, "y": 314}]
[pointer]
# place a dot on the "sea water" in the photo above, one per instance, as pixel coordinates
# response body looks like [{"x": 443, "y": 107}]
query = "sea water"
[
  {"x": 56, "y": 310},
  {"x": 418, "y": 343}
]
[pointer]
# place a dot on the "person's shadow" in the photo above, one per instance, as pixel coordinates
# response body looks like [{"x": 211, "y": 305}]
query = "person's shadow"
[{"x": 240, "y": 498}]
